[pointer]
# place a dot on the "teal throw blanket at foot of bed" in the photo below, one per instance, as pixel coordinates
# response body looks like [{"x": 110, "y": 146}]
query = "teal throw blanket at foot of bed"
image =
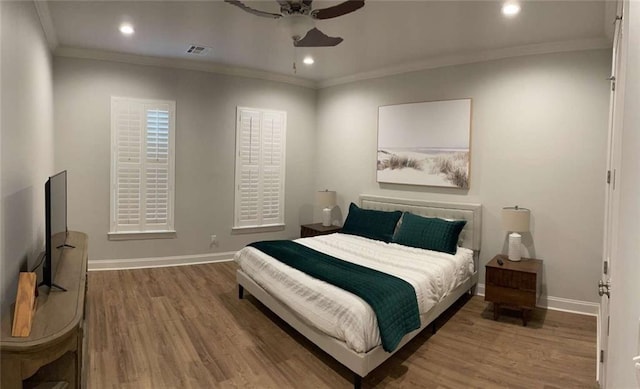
[{"x": 392, "y": 299}]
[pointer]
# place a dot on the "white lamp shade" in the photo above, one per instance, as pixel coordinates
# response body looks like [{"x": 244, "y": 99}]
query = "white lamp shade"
[
  {"x": 515, "y": 219},
  {"x": 326, "y": 198}
]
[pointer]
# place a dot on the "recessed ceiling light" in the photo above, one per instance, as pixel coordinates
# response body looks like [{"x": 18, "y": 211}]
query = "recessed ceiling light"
[
  {"x": 308, "y": 60},
  {"x": 126, "y": 29},
  {"x": 510, "y": 9}
]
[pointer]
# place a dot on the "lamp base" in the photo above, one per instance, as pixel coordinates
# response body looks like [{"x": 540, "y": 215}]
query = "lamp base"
[
  {"x": 326, "y": 217},
  {"x": 515, "y": 241}
]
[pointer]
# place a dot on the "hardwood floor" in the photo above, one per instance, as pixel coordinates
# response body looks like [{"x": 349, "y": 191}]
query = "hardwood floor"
[{"x": 184, "y": 327}]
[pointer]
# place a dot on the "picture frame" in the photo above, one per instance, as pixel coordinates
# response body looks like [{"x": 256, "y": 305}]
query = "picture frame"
[{"x": 425, "y": 143}]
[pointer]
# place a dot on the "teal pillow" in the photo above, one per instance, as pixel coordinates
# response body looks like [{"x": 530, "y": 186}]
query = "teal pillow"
[
  {"x": 429, "y": 233},
  {"x": 372, "y": 224}
]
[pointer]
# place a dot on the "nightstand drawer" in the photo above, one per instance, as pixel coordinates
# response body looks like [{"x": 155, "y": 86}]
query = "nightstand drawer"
[
  {"x": 511, "y": 296},
  {"x": 511, "y": 279}
]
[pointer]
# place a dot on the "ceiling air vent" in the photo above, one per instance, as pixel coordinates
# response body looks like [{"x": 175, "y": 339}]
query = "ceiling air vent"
[{"x": 198, "y": 50}]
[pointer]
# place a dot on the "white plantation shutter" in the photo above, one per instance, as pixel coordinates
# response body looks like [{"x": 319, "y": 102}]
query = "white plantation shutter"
[
  {"x": 248, "y": 190},
  {"x": 157, "y": 168},
  {"x": 143, "y": 133},
  {"x": 128, "y": 163},
  {"x": 273, "y": 172},
  {"x": 260, "y": 146}
]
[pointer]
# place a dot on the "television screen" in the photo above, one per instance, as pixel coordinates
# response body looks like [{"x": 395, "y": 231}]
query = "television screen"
[{"x": 56, "y": 225}]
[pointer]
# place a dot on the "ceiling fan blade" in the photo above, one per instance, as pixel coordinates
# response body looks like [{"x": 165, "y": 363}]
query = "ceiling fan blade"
[
  {"x": 337, "y": 10},
  {"x": 242, "y": 6},
  {"x": 316, "y": 38}
]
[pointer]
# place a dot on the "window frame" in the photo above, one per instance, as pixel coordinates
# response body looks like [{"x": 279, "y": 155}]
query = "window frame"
[
  {"x": 269, "y": 226},
  {"x": 141, "y": 230}
]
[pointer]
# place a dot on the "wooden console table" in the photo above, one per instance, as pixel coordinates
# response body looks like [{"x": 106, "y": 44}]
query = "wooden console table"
[{"x": 53, "y": 350}]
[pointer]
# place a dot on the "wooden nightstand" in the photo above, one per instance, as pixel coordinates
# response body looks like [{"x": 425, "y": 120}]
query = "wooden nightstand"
[
  {"x": 308, "y": 230},
  {"x": 514, "y": 284}
]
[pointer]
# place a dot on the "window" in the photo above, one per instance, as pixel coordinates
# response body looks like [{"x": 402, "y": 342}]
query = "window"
[
  {"x": 260, "y": 164},
  {"x": 142, "y": 168}
]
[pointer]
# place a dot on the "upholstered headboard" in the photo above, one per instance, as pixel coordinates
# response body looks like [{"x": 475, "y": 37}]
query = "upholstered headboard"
[{"x": 472, "y": 213}]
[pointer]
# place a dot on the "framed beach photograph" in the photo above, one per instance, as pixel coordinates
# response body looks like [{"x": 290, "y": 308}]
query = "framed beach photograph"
[{"x": 425, "y": 143}]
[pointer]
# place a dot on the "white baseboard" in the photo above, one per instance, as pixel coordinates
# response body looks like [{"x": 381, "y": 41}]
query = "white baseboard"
[
  {"x": 141, "y": 263},
  {"x": 561, "y": 304}
]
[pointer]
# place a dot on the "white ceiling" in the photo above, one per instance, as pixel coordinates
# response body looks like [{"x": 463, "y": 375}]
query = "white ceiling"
[{"x": 382, "y": 35}]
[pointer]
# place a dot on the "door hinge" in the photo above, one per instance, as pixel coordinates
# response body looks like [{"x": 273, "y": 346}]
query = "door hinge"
[
  {"x": 605, "y": 267},
  {"x": 601, "y": 356},
  {"x": 608, "y": 176},
  {"x": 608, "y": 322},
  {"x": 604, "y": 288}
]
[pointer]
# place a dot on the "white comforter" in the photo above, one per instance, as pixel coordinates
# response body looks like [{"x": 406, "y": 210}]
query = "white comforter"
[{"x": 342, "y": 314}]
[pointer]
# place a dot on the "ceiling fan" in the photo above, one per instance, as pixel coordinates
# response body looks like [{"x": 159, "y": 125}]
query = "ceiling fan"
[{"x": 302, "y": 15}]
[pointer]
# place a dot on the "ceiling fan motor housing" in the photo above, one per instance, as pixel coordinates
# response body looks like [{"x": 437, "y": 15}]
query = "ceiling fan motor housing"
[
  {"x": 301, "y": 19},
  {"x": 295, "y": 7}
]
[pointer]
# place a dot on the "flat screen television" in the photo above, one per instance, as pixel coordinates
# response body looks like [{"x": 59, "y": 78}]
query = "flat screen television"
[{"x": 55, "y": 195}]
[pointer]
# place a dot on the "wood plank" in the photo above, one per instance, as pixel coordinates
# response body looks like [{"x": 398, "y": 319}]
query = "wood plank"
[
  {"x": 185, "y": 327},
  {"x": 25, "y": 305}
]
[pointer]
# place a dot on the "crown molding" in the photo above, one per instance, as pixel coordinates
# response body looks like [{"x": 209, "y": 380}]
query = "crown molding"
[
  {"x": 481, "y": 56},
  {"x": 431, "y": 63},
  {"x": 176, "y": 63},
  {"x": 42, "y": 9}
]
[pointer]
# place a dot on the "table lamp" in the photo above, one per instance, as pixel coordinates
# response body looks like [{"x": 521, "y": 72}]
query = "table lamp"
[
  {"x": 326, "y": 199},
  {"x": 514, "y": 220}
]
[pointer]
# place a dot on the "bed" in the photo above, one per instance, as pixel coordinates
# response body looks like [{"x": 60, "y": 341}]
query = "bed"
[{"x": 362, "y": 356}]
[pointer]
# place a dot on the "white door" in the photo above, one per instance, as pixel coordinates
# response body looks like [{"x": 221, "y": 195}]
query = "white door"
[
  {"x": 624, "y": 305},
  {"x": 611, "y": 197}
]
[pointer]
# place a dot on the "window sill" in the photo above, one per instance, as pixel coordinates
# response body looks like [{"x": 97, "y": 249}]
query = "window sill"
[
  {"x": 255, "y": 229},
  {"x": 141, "y": 235}
]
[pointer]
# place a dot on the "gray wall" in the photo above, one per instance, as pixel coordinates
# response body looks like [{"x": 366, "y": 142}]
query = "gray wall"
[
  {"x": 27, "y": 136},
  {"x": 205, "y": 143},
  {"x": 539, "y": 127}
]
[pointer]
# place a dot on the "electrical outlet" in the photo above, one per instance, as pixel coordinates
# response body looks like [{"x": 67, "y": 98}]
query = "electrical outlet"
[{"x": 214, "y": 240}]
